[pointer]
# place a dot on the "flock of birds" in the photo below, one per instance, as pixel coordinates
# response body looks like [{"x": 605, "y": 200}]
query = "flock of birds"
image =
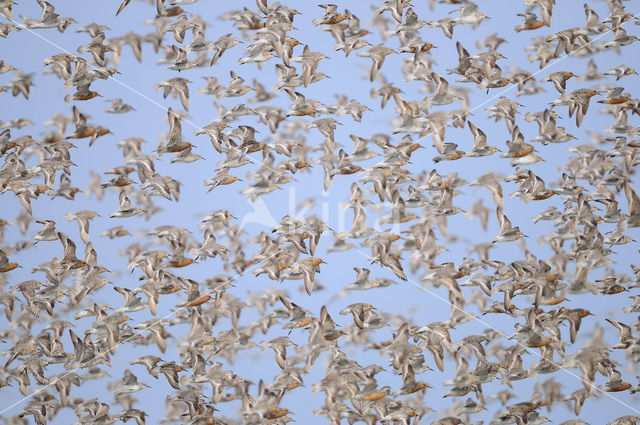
[{"x": 59, "y": 337}]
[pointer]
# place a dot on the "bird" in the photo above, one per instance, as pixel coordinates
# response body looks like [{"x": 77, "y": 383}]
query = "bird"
[
  {"x": 377, "y": 54},
  {"x": 578, "y": 102},
  {"x": 559, "y": 79},
  {"x": 507, "y": 232},
  {"x": 83, "y": 218},
  {"x": 480, "y": 146},
  {"x": 119, "y": 107},
  {"x": 320, "y": 165},
  {"x": 625, "y": 334},
  {"x": 5, "y": 264},
  {"x": 125, "y": 209}
]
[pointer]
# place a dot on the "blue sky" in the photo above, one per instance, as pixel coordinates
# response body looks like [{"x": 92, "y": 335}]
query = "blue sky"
[{"x": 135, "y": 84}]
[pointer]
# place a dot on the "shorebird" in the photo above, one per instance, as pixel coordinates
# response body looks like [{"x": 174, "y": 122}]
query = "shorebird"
[
  {"x": 199, "y": 285},
  {"x": 507, "y": 232}
]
